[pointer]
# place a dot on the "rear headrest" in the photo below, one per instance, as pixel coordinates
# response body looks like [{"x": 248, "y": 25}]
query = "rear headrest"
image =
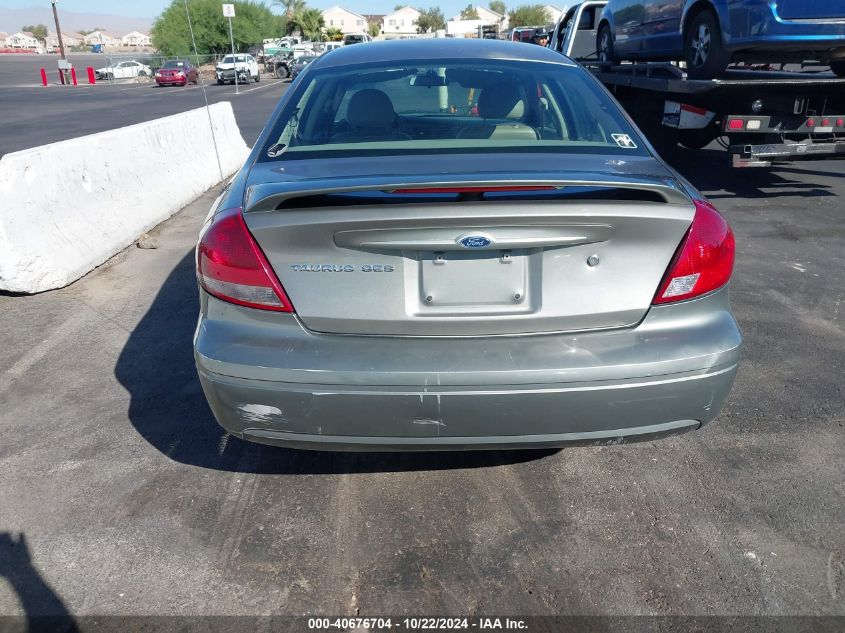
[
  {"x": 370, "y": 109},
  {"x": 501, "y": 102}
]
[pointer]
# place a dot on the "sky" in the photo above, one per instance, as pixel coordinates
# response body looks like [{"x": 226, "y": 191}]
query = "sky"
[{"x": 151, "y": 8}]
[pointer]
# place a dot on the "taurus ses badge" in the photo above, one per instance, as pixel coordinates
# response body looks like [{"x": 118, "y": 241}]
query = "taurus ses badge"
[{"x": 477, "y": 240}]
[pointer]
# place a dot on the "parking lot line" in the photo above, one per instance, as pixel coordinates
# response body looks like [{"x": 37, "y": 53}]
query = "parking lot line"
[
  {"x": 212, "y": 91},
  {"x": 266, "y": 85},
  {"x": 173, "y": 90}
]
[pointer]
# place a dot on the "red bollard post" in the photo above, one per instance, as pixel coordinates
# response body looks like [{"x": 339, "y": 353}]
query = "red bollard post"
[
  {"x": 92, "y": 78},
  {"x": 73, "y": 76},
  {"x": 43, "y": 76}
]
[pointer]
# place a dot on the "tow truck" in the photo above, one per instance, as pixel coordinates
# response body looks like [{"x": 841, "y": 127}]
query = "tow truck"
[{"x": 760, "y": 115}]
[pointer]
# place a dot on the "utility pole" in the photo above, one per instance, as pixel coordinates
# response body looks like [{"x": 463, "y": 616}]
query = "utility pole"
[{"x": 58, "y": 31}]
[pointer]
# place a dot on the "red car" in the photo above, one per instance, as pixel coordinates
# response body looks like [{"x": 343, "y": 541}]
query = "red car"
[{"x": 177, "y": 72}]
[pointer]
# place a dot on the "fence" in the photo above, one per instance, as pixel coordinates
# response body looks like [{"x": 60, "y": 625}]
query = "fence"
[{"x": 205, "y": 62}]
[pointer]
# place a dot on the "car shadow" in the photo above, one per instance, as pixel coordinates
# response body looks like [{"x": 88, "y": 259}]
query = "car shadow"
[
  {"x": 43, "y": 608},
  {"x": 710, "y": 171},
  {"x": 168, "y": 408}
]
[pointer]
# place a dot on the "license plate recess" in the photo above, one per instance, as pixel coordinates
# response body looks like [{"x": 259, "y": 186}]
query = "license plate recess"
[{"x": 474, "y": 280}]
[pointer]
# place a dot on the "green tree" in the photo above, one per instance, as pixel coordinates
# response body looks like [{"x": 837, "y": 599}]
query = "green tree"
[
  {"x": 529, "y": 15},
  {"x": 399, "y": 6},
  {"x": 39, "y": 31},
  {"x": 374, "y": 29},
  {"x": 333, "y": 34},
  {"x": 309, "y": 22},
  {"x": 253, "y": 22},
  {"x": 470, "y": 13},
  {"x": 430, "y": 20},
  {"x": 498, "y": 6},
  {"x": 291, "y": 7}
]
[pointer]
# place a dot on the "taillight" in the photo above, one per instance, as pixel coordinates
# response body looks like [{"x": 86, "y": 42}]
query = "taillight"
[
  {"x": 231, "y": 266},
  {"x": 705, "y": 260}
]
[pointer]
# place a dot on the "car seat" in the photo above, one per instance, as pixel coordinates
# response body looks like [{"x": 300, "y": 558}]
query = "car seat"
[
  {"x": 505, "y": 104},
  {"x": 371, "y": 117}
]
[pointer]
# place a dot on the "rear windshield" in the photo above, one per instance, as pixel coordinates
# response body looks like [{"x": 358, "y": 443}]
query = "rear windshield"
[
  {"x": 173, "y": 64},
  {"x": 454, "y": 107},
  {"x": 228, "y": 59}
]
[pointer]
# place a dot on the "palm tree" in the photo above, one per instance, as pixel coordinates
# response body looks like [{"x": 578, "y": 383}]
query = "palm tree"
[
  {"x": 291, "y": 7},
  {"x": 309, "y": 22},
  {"x": 334, "y": 34}
]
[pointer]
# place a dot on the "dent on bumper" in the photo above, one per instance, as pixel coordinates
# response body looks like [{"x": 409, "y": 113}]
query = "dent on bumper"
[{"x": 267, "y": 379}]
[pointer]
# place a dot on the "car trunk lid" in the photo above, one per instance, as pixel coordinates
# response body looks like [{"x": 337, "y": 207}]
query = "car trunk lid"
[{"x": 463, "y": 255}]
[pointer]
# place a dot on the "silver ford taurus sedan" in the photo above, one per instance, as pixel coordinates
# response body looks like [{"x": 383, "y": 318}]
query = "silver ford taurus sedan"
[{"x": 453, "y": 244}]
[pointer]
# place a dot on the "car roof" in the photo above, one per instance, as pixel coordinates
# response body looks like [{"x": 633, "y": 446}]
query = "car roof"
[{"x": 436, "y": 49}]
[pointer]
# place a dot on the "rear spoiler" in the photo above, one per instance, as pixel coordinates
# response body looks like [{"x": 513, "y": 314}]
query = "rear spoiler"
[{"x": 272, "y": 196}]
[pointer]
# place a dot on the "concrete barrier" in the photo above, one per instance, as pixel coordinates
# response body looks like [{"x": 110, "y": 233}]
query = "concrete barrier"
[{"x": 67, "y": 207}]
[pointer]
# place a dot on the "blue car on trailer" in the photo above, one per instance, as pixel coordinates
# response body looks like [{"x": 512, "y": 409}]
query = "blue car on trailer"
[{"x": 710, "y": 34}]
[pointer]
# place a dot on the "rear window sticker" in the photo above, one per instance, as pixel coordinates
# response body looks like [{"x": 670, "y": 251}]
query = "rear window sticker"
[{"x": 624, "y": 140}]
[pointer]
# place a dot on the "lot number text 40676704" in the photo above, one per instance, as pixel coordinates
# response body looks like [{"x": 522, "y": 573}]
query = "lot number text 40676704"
[{"x": 417, "y": 624}]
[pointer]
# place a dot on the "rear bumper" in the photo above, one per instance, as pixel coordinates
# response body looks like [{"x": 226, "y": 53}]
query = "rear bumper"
[
  {"x": 763, "y": 155},
  {"x": 766, "y": 30},
  {"x": 510, "y": 416},
  {"x": 268, "y": 380}
]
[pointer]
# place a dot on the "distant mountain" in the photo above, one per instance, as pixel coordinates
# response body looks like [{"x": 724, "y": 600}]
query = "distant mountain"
[{"x": 11, "y": 20}]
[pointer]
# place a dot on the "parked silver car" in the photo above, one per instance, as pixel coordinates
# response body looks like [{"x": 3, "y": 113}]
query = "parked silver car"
[{"x": 449, "y": 244}]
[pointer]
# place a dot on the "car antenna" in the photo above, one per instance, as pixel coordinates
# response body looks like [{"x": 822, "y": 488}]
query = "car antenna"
[{"x": 204, "y": 93}]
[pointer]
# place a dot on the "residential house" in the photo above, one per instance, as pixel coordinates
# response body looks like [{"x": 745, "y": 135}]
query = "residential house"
[
  {"x": 492, "y": 17},
  {"x": 135, "y": 38},
  {"x": 69, "y": 39},
  {"x": 23, "y": 39},
  {"x": 101, "y": 37},
  {"x": 345, "y": 20},
  {"x": 462, "y": 28},
  {"x": 3, "y": 37},
  {"x": 401, "y": 23},
  {"x": 553, "y": 13}
]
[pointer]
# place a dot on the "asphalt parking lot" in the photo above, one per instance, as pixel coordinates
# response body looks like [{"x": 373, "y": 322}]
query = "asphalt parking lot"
[
  {"x": 122, "y": 496},
  {"x": 31, "y": 114}
]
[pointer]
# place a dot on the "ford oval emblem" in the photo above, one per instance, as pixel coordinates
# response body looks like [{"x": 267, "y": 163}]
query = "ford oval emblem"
[{"x": 475, "y": 241}]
